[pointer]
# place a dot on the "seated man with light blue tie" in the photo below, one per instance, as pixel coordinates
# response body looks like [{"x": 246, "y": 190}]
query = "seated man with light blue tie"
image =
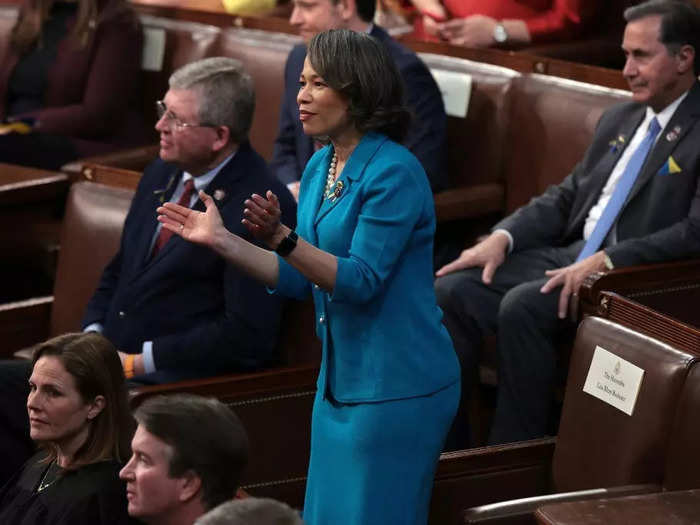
[{"x": 633, "y": 199}]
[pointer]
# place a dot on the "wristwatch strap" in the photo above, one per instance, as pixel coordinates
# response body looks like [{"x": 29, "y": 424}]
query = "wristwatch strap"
[{"x": 287, "y": 244}]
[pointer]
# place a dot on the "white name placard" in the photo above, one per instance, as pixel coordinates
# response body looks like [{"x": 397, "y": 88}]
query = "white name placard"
[
  {"x": 613, "y": 380},
  {"x": 456, "y": 88},
  {"x": 153, "y": 49}
]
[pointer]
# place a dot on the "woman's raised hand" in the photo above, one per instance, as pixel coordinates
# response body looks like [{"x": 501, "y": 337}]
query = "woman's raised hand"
[
  {"x": 262, "y": 217},
  {"x": 195, "y": 226}
]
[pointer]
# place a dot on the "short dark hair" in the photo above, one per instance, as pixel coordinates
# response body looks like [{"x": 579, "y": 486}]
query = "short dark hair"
[
  {"x": 251, "y": 511},
  {"x": 93, "y": 362},
  {"x": 206, "y": 437},
  {"x": 680, "y": 24},
  {"x": 359, "y": 67},
  {"x": 365, "y": 9}
]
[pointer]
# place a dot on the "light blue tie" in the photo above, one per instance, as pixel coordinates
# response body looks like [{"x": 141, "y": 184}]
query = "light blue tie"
[{"x": 622, "y": 190}]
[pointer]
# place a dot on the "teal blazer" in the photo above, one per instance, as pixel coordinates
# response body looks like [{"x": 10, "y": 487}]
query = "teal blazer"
[{"x": 381, "y": 327}]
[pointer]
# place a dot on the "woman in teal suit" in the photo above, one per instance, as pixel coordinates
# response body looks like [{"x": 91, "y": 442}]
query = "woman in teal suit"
[{"x": 389, "y": 381}]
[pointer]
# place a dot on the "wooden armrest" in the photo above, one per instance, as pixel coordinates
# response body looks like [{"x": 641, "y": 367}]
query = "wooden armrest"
[
  {"x": 24, "y": 323},
  {"x": 477, "y": 476},
  {"x": 20, "y": 186},
  {"x": 469, "y": 201},
  {"x": 133, "y": 159},
  {"x": 640, "y": 281},
  {"x": 111, "y": 176},
  {"x": 509, "y": 511},
  {"x": 235, "y": 385}
]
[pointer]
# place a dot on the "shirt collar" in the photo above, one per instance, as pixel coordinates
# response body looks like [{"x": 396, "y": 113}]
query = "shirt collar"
[
  {"x": 201, "y": 182},
  {"x": 664, "y": 116}
]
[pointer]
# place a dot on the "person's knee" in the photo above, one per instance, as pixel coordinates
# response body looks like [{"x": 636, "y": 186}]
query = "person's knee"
[
  {"x": 520, "y": 304},
  {"x": 444, "y": 290},
  {"x": 455, "y": 290}
]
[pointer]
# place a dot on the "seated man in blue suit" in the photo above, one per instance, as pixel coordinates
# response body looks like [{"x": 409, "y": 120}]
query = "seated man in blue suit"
[
  {"x": 175, "y": 310},
  {"x": 427, "y": 135},
  {"x": 633, "y": 199}
]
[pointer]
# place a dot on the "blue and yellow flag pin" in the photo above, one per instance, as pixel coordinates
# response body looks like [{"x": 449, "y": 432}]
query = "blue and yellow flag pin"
[{"x": 670, "y": 167}]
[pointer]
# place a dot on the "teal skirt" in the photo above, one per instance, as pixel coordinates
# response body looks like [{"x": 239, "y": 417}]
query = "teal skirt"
[{"x": 375, "y": 462}]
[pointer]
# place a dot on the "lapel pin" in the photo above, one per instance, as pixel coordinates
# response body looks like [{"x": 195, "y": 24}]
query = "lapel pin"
[
  {"x": 673, "y": 134},
  {"x": 219, "y": 195},
  {"x": 338, "y": 190}
]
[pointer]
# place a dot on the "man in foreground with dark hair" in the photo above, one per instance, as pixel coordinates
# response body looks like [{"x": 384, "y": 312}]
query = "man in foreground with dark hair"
[
  {"x": 188, "y": 455},
  {"x": 633, "y": 199},
  {"x": 427, "y": 134}
]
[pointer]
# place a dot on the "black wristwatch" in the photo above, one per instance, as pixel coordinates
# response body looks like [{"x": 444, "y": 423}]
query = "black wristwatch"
[{"x": 287, "y": 244}]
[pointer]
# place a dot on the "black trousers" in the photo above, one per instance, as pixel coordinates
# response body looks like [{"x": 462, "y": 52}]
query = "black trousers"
[{"x": 527, "y": 326}]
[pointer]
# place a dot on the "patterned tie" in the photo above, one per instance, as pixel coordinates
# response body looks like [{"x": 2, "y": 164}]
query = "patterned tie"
[
  {"x": 622, "y": 190},
  {"x": 165, "y": 234}
]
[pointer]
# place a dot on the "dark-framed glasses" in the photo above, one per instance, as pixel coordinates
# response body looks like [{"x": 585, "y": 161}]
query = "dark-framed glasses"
[{"x": 173, "y": 121}]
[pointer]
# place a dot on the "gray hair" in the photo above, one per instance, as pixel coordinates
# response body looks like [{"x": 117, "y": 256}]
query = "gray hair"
[
  {"x": 251, "y": 511},
  {"x": 226, "y": 93}
]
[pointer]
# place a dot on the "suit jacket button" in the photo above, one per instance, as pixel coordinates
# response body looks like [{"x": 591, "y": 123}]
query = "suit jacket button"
[
  {"x": 321, "y": 319},
  {"x": 315, "y": 287},
  {"x": 122, "y": 314}
]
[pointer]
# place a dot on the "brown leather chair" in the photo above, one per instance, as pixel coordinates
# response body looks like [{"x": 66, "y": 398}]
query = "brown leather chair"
[
  {"x": 681, "y": 472},
  {"x": 476, "y": 142},
  {"x": 90, "y": 236},
  {"x": 551, "y": 124},
  {"x": 598, "y": 446},
  {"x": 683, "y": 461},
  {"x": 263, "y": 54},
  {"x": 31, "y": 208}
]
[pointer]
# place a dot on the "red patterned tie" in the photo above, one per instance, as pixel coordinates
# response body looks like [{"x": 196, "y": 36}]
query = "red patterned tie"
[{"x": 165, "y": 234}]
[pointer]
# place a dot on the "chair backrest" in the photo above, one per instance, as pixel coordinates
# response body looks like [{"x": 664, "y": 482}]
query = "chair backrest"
[
  {"x": 551, "y": 124},
  {"x": 683, "y": 460},
  {"x": 90, "y": 236},
  {"x": 598, "y": 445},
  {"x": 475, "y": 142},
  {"x": 168, "y": 45},
  {"x": 264, "y": 55}
]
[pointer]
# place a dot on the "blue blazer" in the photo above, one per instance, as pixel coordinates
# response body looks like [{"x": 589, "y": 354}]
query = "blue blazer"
[
  {"x": 203, "y": 316},
  {"x": 380, "y": 327},
  {"x": 426, "y": 137}
]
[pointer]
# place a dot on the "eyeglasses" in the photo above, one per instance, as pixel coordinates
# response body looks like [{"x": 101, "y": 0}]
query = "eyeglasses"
[{"x": 174, "y": 121}]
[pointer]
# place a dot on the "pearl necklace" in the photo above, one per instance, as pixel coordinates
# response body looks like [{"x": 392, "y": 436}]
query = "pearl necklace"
[{"x": 330, "y": 179}]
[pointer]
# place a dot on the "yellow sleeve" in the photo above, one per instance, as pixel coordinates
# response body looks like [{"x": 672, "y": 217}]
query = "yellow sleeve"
[{"x": 248, "y": 7}]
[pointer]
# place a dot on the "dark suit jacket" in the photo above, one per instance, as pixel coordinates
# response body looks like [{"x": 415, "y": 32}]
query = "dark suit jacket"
[
  {"x": 661, "y": 218},
  {"x": 426, "y": 137},
  {"x": 203, "y": 316}
]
